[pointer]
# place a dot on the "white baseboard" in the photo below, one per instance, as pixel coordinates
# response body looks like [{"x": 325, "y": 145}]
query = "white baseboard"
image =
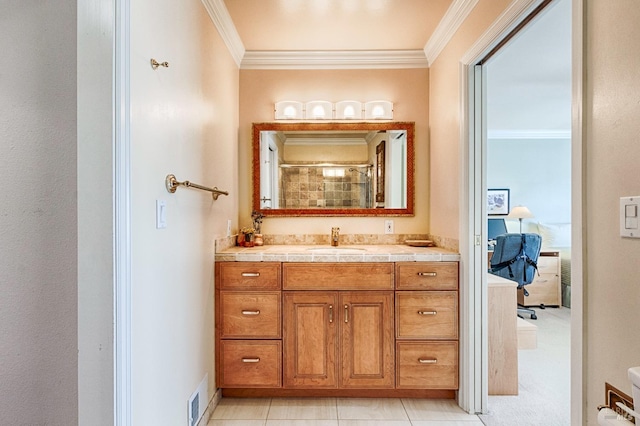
[{"x": 213, "y": 403}]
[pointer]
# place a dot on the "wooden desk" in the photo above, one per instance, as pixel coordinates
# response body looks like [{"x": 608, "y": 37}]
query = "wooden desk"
[{"x": 503, "y": 336}]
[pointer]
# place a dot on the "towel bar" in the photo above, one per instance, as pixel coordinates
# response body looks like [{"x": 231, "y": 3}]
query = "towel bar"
[{"x": 172, "y": 185}]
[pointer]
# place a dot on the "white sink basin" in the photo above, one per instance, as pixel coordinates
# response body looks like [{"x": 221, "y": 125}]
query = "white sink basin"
[{"x": 336, "y": 250}]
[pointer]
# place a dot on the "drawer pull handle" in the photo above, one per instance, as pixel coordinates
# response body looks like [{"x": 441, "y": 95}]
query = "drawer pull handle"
[
  {"x": 427, "y": 361},
  {"x": 250, "y": 359},
  {"x": 346, "y": 313},
  {"x": 427, "y": 312},
  {"x": 427, "y": 274},
  {"x": 330, "y": 313},
  {"x": 250, "y": 312},
  {"x": 251, "y": 274}
]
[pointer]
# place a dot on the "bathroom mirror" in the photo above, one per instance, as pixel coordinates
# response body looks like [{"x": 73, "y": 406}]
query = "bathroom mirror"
[{"x": 333, "y": 169}]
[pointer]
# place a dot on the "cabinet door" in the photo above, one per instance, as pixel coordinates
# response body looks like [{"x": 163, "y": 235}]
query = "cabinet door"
[
  {"x": 310, "y": 338},
  {"x": 367, "y": 339}
]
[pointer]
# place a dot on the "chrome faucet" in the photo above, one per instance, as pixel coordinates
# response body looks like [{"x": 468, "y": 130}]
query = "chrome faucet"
[{"x": 335, "y": 236}]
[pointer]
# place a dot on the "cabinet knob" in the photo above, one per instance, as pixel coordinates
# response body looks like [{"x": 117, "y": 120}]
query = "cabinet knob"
[
  {"x": 250, "y": 312},
  {"x": 427, "y": 312},
  {"x": 427, "y": 361},
  {"x": 427, "y": 274},
  {"x": 250, "y": 360}
]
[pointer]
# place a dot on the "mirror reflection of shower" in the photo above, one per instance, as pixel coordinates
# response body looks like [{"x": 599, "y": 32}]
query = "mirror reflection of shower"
[{"x": 364, "y": 181}]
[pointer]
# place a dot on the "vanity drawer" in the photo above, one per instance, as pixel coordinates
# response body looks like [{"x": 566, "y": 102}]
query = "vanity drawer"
[
  {"x": 427, "y": 315},
  {"x": 248, "y": 275},
  {"x": 430, "y": 365},
  {"x": 427, "y": 275},
  {"x": 337, "y": 276},
  {"x": 250, "y": 364},
  {"x": 248, "y": 314}
]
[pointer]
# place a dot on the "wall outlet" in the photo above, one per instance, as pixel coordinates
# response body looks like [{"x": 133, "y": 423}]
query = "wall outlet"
[
  {"x": 228, "y": 227},
  {"x": 388, "y": 227}
]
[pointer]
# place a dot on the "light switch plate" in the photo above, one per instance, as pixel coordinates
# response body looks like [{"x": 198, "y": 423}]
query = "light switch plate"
[
  {"x": 161, "y": 214},
  {"x": 629, "y": 220}
]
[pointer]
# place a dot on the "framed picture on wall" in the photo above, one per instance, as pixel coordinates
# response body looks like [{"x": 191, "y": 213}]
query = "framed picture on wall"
[{"x": 497, "y": 202}]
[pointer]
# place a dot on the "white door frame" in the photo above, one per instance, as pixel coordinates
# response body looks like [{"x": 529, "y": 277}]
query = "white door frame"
[
  {"x": 473, "y": 393},
  {"x": 122, "y": 214},
  {"x": 472, "y": 150}
]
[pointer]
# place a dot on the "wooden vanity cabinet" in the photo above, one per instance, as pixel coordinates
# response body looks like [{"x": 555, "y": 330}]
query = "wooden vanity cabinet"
[{"x": 337, "y": 329}]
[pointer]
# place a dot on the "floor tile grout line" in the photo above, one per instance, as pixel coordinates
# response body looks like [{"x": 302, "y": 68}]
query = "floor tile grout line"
[{"x": 268, "y": 411}]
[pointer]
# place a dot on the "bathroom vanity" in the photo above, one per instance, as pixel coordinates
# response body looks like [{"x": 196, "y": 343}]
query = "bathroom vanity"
[{"x": 351, "y": 321}]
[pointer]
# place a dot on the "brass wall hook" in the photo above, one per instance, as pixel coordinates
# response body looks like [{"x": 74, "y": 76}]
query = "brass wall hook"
[{"x": 155, "y": 64}]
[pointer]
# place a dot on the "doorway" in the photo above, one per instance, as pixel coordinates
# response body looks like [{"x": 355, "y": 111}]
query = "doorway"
[{"x": 507, "y": 132}]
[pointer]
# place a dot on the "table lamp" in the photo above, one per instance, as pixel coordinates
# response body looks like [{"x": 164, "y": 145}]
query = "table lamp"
[{"x": 520, "y": 212}]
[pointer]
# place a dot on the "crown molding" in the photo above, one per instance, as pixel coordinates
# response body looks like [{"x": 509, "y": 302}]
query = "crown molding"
[
  {"x": 222, "y": 20},
  {"x": 506, "y": 21},
  {"x": 334, "y": 59},
  {"x": 529, "y": 134},
  {"x": 458, "y": 11}
]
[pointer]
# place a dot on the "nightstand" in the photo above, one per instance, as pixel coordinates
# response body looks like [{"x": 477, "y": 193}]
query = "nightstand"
[{"x": 545, "y": 290}]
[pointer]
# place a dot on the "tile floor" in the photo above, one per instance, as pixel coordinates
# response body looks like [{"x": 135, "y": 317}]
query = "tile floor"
[{"x": 339, "y": 412}]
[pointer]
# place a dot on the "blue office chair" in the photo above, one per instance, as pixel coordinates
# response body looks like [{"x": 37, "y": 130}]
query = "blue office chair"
[{"x": 515, "y": 257}]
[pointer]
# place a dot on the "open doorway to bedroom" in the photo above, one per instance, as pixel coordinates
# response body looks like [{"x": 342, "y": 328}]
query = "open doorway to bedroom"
[{"x": 527, "y": 116}]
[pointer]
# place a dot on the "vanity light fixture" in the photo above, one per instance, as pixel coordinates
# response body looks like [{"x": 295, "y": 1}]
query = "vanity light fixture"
[
  {"x": 349, "y": 110},
  {"x": 318, "y": 110},
  {"x": 325, "y": 110},
  {"x": 289, "y": 110},
  {"x": 333, "y": 172},
  {"x": 378, "y": 110}
]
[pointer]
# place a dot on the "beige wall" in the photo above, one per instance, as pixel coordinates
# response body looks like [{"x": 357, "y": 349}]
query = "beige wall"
[
  {"x": 407, "y": 89},
  {"x": 329, "y": 153},
  {"x": 444, "y": 113},
  {"x": 612, "y": 155},
  {"x": 184, "y": 121},
  {"x": 38, "y": 214}
]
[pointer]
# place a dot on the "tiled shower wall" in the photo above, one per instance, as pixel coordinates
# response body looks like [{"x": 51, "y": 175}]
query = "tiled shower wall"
[{"x": 308, "y": 187}]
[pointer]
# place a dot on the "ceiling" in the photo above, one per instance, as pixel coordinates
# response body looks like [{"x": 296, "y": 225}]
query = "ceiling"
[{"x": 336, "y": 24}]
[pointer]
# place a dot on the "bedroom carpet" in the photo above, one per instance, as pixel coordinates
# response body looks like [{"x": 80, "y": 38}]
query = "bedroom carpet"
[{"x": 544, "y": 378}]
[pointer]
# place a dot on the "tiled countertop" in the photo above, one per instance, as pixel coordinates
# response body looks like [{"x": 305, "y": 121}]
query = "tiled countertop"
[{"x": 344, "y": 253}]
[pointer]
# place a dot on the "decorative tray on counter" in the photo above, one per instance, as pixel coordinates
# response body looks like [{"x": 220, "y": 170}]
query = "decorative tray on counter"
[{"x": 420, "y": 243}]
